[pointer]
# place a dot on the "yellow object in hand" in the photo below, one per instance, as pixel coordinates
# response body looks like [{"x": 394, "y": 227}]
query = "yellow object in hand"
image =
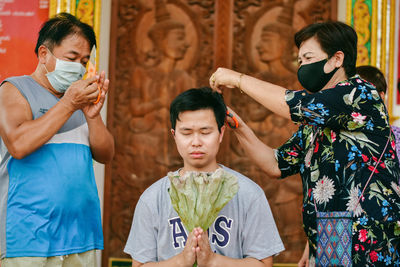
[{"x": 91, "y": 70}]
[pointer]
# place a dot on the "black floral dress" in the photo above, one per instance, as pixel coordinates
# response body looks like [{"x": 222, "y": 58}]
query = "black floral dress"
[{"x": 342, "y": 134}]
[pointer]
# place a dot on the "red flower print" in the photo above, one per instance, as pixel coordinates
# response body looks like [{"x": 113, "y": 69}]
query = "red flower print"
[
  {"x": 333, "y": 136},
  {"x": 371, "y": 168},
  {"x": 373, "y": 256},
  {"x": 293, "y": 153},
  {"x": 316, "y": 147},
  {"x": 362, "y": 236},
  {"x": 357, "y": 247},
  {"x": 393, "y": 144},
  {"x": 364, "y": 157}
]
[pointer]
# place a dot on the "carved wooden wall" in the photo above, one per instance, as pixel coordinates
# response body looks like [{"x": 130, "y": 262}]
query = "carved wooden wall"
[{"x": 160, "y": 48}]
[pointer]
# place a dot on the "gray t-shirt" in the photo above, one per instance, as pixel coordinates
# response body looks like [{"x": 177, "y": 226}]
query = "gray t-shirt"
[{"x": 244, "y": 227}]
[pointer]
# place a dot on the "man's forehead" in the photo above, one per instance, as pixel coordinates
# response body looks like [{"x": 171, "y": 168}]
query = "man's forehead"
[
  {"x": 74, "y": 42},
  {"x": 196, "y": 119},
  {"x": 189, "y": 124}
]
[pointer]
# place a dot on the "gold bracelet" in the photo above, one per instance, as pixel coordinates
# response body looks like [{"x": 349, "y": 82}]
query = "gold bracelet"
[{"x": 240, "y": 82}]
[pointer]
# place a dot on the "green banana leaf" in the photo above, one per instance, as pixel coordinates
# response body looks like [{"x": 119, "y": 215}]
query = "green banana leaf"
[{"x": 198, "y": 197}]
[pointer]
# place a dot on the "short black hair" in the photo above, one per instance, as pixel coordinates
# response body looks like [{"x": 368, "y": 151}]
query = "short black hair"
[
  {"x": 56, "y": 29},
  {"x": 373, "y": 75},
  {"x": 333, "y": 36},
  {"x": 197, "y": 99}
]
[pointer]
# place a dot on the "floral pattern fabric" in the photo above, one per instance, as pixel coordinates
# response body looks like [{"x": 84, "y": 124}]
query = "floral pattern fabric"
[
  {"x": 342, "y": 134},
  {"x": 396, "y": 132}
]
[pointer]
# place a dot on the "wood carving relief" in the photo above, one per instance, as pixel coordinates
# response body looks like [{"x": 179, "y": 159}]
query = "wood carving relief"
[
  {"x": 163, "y": 47},
  {"x": 264, "y": 47}
]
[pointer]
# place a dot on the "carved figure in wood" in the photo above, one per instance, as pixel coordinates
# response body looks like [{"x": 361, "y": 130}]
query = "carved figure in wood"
[
  {"x": 155, "y": 86},
  {"x": 276, "y": 52}
]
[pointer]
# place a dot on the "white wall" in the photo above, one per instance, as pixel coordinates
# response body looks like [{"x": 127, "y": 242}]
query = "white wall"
[
  {"x": 342, "y": 10},
  {"x": 104, "y": 48}
]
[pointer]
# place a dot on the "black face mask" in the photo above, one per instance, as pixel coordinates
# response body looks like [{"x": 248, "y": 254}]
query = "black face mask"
[{"x": 312, "y": 76}]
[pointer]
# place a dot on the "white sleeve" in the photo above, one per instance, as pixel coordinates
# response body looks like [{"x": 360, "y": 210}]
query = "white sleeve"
[
  {"x": 260, "y": 235},
  {"x": 142, "y": 240}
]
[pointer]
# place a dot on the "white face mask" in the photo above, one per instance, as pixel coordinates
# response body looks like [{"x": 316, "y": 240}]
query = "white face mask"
[{"x": 64, "y": 74}]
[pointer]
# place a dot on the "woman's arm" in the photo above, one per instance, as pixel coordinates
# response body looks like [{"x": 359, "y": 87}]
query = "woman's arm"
[
  {"x": 303, "y": 262},
  {"x": 260, "y": 153},
  {"x": 267, "y": 94}
]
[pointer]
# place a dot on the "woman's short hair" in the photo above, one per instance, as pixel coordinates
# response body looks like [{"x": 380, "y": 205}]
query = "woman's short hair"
[
  {"x": 56, "y": 29},
  {"x": 333, "y": 36}
]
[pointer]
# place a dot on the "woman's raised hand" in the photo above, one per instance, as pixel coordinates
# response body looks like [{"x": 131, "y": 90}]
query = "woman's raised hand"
[
  {"x": 225, "y": 78},
  {"x": 232, "y": 119}
]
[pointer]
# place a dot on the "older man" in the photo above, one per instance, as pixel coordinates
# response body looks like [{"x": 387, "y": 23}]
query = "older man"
[{"x": 50, "y": 130}]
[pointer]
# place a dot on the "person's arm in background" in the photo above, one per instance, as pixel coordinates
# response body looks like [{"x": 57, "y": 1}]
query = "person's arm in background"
[
  {"x": 267, "y": 94},
  {"x": 100, "y": 139},
  {"x": 21, "y": 134}
]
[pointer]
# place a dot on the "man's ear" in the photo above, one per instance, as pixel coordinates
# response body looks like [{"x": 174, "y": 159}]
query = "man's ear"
[
  {"x": 221, "y": 135},
  {"x": 382, "y": 95},
  {"x": 42, "y": 54},
  {"x": 173, "y": 132}
]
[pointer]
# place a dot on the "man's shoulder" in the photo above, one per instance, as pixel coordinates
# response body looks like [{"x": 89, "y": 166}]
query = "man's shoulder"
[
  {"x": 16, "y": 79},
  {"x": 24, "y": 84},
  {"x": 247, "y": 187},
  {"x": 156, "y": 190}
]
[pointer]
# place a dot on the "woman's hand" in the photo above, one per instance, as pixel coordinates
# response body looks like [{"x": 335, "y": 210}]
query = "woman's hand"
[
  {"x": 230, "y": 119},
  {"x": 303, "y": 262},
  {"x": 225, "y": 77}
]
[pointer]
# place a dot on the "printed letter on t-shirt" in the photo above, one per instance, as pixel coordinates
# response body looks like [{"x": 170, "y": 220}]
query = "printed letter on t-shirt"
[
  {"x": 178, "y": 232},
  {"x": 222, "y": 227}
]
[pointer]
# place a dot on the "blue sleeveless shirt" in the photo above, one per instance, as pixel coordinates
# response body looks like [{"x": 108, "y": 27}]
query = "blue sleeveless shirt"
[{"x": 49, "y": 203}]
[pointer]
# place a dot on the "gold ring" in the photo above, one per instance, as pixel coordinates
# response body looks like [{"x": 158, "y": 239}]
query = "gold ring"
[{"x": 213, "y": 79}]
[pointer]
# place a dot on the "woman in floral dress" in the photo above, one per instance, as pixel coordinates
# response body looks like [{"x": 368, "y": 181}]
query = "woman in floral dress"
[{"x": 343, "y": 131}]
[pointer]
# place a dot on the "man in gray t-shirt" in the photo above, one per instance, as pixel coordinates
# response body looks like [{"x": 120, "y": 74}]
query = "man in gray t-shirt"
[{"x": 244, "y": 233}]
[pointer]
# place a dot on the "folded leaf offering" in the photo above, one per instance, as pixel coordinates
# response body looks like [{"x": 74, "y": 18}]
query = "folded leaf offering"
[
  {"x": 198, "y": 197},
  {"x": 91, "y": 68}
]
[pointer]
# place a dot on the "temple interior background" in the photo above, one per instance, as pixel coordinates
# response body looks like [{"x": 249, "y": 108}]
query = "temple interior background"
[{"x": 137, "y": 44}]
